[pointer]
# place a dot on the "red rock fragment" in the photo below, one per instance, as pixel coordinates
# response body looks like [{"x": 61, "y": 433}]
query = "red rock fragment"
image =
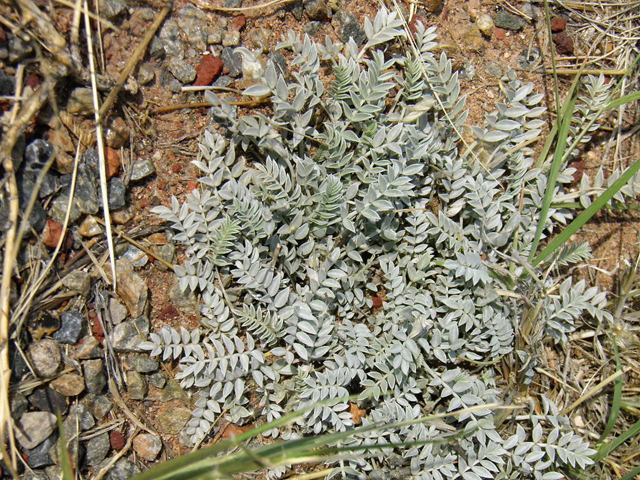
[
  {"x": 209, "y": 69},
  {"x": 499, "y": 33},
  {"x": 192, "y": 185},
  {"x": 117, "y": 440},
  {"x": 558, "y": 24},
  {"x": 564, "y": 44},
  {"x": 113, "y": 162},
  {"x": 238, "y": 23},
  {"x": 176, "y": 168},
  {"x": 51, "y": 233},
  {"x": 376, "y": 302}
]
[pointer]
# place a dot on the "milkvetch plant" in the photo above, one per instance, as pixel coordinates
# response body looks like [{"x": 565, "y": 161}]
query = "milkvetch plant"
[{"x": 343, "y": 245}]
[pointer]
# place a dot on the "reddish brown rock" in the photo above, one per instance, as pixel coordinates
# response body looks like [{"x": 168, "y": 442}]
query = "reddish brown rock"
[
  {"x": 113, "y": 162},
  {"x": 564, "y": 43},
  {"x": 238, "y": 23},
  {"x": 51, "y": 233},
  {"x": 499, "y": 33},
  {"x": 117, "y": 440},
  {"x": 209, "y": 69},
  {"x": 558, "y": 24}
]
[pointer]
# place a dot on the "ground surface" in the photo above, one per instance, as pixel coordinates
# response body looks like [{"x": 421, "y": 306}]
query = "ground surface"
[{"x": 169, "y": 139}]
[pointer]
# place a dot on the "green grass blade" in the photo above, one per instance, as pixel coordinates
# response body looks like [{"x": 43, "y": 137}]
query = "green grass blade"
[
  {"x": 563, "y": 133},
  {"x": 605, "y": 449},
  {"x": 632, "y": 474},
  {"x": 586, "y": 215},
  {"x": 632, "y": 97}
]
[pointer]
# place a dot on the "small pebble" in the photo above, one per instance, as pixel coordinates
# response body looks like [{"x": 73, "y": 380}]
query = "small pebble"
[
  {"x": 183, "y": 71},
  {"x": 148, "y": 446},
  {"x": 316, "y": 10},
  {"x": 72, "y": 326},
  {"x": 117, "y": 440},
  {"x": 142, "y": 169},
  {"x": 51, "y": 233},
  {"x": 87, "y": 348},
  {"x": 232, "y": 61},
  {"x": 90, "y": 227},
  {"x": 146, "y": 74},
  {"x": 45, "y": 357},
  {"x": 172, "y": 420},
  {"x": 48, "y": 400},
  {"x": 142, "y": 364},
  {"x": 485, "y": 24},
  {"x": 508, "y": 21},
  {"x": 563, "y": 42},
  {"x": 125, "y": 336},
  {"x": 117, "y": 311},
  {"x": 34, "y": 427},
  {"x": 558, "y": 24},
  {"x": 40, "y": 456},
  {"x": 98, "y": 405},
  {"x": 68, "y": 385},
  {"x": 95, "y": 376},
  {"x": 231, "y": 39},
  {"x": 78, "y": 281},
  {"x": 117, "y": 192},
  {"x": 208, "y": 70},
  {"x": 117, "y": 133},
  {"x": 97, "y": 449},
  {"x": 472, "y": 40}
]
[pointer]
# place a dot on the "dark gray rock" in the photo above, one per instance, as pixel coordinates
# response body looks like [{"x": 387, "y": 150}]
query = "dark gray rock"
[
  {"x": 47, "y": 399},
  {"x": 33, "y": 428},
  {"x": 125, "y": 336},
  {"x": 192, "y": 22},
  {"x": 36, "y": 156},
  {"x": 18, "y": 404},
  {"x": 223, "y": 81},
  {"x": 117, "y": 311},
  {"x": 508, "y": 21},
  {"x": 279, "y": 62},
  {"x": 312, "y": 28},
  {"x": 97, "y": 449},
  {"x": 136, "y": 386},
  {"x": 72, "y": 326},
  {"x": 170, "y": 39},
  {"x": 6, "y": 84},
  {"x": 117, "y": 193},
  {"x": 232, "y": 3},
  {"x": 98, "y": 405},
  {"x": 350, "y": 28},
  {"x": 122, "y": 470},
  {"x": 112, "y": 8},
  {"x": 91, "y": 159},
  {"x": 18, "y": 365},
  {"x": 59, "y": 209},
  {"x": 39, "y": 456},
  {"x": 182, "y": 70},
  {"x": 296, "y": 8},
  {"x": 80, "y": 414},
  {"x": 233, "y": 61},
  {"x": 142, "y": 169},
  {"x": 95, "y": 376},
  {"x": 78, "y": 281},
  {"x": 157, "y": 380},
  {"x": 45, "y": 357},
  {"x": 86, "y": 193},
  {"x": 316, "y": 10},
  {"x": 142, "y": 364}
]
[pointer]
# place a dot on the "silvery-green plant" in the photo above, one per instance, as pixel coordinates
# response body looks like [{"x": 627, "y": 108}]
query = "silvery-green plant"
[{"x": 343, "y": 245}]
